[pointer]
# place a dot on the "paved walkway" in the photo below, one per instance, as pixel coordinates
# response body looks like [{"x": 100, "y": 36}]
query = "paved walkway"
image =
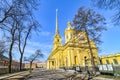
[
  {"x": 42, "y": 74},
  {"x": 59, "y": 75},
  {"x": 39, "y": 74},
  {"x": 15, "y": 76}
]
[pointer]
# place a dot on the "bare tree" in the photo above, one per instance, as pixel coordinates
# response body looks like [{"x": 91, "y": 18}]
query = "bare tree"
[
  {"x": 33, "y": 57},
  {"x": 23, "y": 36},
  {"x": 111, "y": 5},
  {"x": 92, "y": 24},
  {"x": 10, "y": 27},
  {"x": 14, "y": 13},
  {"x": 27, "y": 24}
]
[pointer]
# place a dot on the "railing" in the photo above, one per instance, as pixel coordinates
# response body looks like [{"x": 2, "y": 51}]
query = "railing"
[
  {"x": 109, "y": 69},
  {"x": 4, "y": 69}
]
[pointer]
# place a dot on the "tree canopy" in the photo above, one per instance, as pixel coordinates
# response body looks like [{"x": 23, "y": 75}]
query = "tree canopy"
[
  {"x": 92, "y": 24},
  {"x": 90, "y": 21}
]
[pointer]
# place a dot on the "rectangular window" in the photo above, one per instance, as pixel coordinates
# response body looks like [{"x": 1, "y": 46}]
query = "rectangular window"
[
  {"x": 115, "y": 61},
  {"x": 75, "y": 59},
  {"x": 107, "y": 62}
]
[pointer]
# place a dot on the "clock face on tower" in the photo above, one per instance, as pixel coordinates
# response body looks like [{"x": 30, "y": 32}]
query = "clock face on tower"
[{"x": 81, "y": 37}]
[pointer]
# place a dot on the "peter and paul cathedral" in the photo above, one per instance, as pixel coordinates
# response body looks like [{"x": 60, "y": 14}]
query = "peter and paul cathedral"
[{"x": 74, "y": 52}]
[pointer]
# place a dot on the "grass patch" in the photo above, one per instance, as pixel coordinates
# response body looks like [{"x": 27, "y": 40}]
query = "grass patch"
[
  {"x": 109, "y": 76},
  {"x": 117, "y": 72}
]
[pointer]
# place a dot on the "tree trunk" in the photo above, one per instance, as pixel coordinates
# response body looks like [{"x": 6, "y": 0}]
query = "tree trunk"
[
  {"x": 10, "y": 62},
  {"x": 10, "y": 57},
  {"x": 10, "y": 50},
  {"x": 21, "y": 50},
  {"x": 91, "y": 52},
  {"x": 30, "y": 67},
  {"x": 21, "y": 57}
]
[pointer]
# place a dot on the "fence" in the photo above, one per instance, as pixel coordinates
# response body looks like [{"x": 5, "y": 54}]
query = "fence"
[
  {"x": 109, "y": 69},
  {"x": 4, "y": 69}
]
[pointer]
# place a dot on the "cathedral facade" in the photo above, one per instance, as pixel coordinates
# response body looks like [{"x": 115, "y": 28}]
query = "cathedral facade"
[{"x": 74, "y": 52}]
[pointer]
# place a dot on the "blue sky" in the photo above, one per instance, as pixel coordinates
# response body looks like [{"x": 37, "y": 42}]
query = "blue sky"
[{"x": 67, "y": 9}]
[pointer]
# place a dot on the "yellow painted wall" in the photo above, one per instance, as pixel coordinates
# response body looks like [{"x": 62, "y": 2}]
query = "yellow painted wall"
[
  {"x": 36, "y": 64},
  {"x": 41, "y": 64},
  {"x": 27, "y": 65},
  {"x": 110, "y": 58}
]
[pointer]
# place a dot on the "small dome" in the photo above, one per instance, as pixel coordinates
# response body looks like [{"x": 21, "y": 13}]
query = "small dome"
[
  {"x": 69, "y": 25},
  {"x": 69, "y": 22}
]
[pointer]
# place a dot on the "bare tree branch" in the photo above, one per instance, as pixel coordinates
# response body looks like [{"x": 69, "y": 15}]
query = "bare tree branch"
[
  {"x": 92, "y": 24},
  {"x": 111, "y": 5},
  {"x": 34, "y": 57},
  {"x": 13, "y": 14}
]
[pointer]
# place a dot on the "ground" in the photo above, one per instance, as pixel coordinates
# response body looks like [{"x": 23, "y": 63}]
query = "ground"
[{"x": 42, "y": 74}]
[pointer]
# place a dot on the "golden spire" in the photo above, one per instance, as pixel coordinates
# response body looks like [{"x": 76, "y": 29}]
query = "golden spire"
[{"x": 57, "y": 32}]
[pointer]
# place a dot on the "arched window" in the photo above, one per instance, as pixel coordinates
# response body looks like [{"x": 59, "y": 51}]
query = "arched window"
[{"x": 53, "y": 63}]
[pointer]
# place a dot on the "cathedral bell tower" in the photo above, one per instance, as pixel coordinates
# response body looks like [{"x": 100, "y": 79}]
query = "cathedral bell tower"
[
  {"x": 57, "y": 38},
  {"x": 69, "y": 32}
]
